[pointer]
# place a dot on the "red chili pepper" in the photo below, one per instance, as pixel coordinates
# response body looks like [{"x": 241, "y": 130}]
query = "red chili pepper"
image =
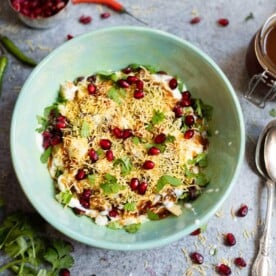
[{"x": 113, "y": 4}]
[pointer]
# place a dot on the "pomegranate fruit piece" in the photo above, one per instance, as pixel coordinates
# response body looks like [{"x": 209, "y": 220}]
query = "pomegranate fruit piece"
[
  {"x": 195, "y": 20},
  {"x": 142, "y": 188},
  {"x": 105, "y": 144},
  {"x": 154, "y": 151},
  {"x": 160, "y": 138},
  {"x": 223, "y": 22},
  {"x": 80, "y": 174},
  {"x": 109, "y": 155},
  {"x": 86, "y": 193},
  {"x": 117, "y": 132},
  {"x": 196, "y": 232},
  {"x": 173, "y": 83},
  {"x": 197, "y": 258},
  {"x": 85, "y": 19},
  {"x": 93, "y": 155},
  {"x": 91, "y": 88},
  {"x": 239, "y": 261},
  {"x": 148, "y": 165},
  {"x": 243, "y": 210},
  {"x": 134, "y": 183},
  {"x": 123, "y": 83},
  {"x": 189, "y": 134},
  {"x": 127, "y": 133},
  {"x": 105, "y": 15},
  {"x": 132, "y": 79},
  {"x": 223, "y": 269},
  {"x": 189, "y": 120},
  {"x": 113, "y": 213},
  {"x": 178, "y": 111},
  {"x": 230, "y": 239},
  {"x": 138, "y": 94}
]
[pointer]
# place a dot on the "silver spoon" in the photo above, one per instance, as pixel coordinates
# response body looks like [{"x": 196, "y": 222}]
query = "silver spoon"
[{"x": 265, "y": 154}]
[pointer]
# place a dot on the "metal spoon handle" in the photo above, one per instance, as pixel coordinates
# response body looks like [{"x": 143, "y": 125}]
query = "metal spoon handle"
[{"x": 262, "y": 264}]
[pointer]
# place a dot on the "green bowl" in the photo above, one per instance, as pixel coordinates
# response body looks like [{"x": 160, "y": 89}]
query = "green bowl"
[{"x": 115, "y": 48}]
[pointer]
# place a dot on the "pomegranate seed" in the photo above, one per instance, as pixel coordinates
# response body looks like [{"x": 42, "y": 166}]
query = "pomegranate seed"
[
  {"x": 109, "y": 155},
  {"x": 178, "y": 111},
  {"x": 185, "y": 102},
  {"x": 86, "y": 193},
  {"x": 138, "y": 94},
  {"x": 162, "y": 72},
  {"x": 173, "y": 83},
  {"x": 80, "y": 174},
  {"x": 197, "y": 258},
  {"x": 84, "y": 202},
  {"x": 84, "y": 19},
  {"x": 230, "y": 239},
  {"x": 239, "y": 261},
  {"x": 195, "y": 20},
  {"x": 77, "y": 211},
  {"x": 127, "y": 70},
  {"x": 113, "y": 213},
  {"x": 105, "y": 144},
  {"x": 60, "y": 125},
  {"x": 148, "y": 165},
  {"x": 189, "y": 134},
  {"x": 186, "y": 95},
  {"x": 93, "y": 155},
  {"x": 123, "y": 83},
  {"x": 134, "y": 183},
  {"x": 142, "y": 188},
  {"x": 223, "y": 22},
  {"x": 189, "y": 120},
  {"x": 69, "y": 36},
  {"x": 193, "y": 193},
  {"x": 132, "y": 79},
  {"x": 154, "y": 151},
  {"x": 223, "y": 269},
  {"x": 56, "y": 139},
  {"x": 160, "y": 138},
  {"x": 91, "y": 88},
  {"x": 105, "y": 15},
  {"x": 196, "y": 232},
  {"x": 64, "y": 272},
  {"x": 117, "y": 132},
  {"x": 139, "y": 84},
  {"x": 243, "y": 210},
  {"x": 46, "y": 139},
  {"x": 127, "y": 133}
]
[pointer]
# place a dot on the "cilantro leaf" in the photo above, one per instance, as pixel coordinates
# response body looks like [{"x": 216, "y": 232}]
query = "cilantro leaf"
[
  {"x": 158, "y": 117},
  {"x": 152, "y": 215},
  {"x": 116, "y": 94},
  {"x": 132, "y": 228},
  {"x": 91, "y": 179},
  {"x": 167, "y": 179},
  {"x": 130, "y": 206},
  {"x": 272, "y": 112},
  {"x": 200, "y": 159},
  {"x": 64, "y": 197},
  {"x": 249, "y": 16},
  {"x": 114, "y": 225},
  {"x": 203, "y": 110},
  {"x": 85, "y": 129},
  {"x": 125, "y": 165},
  {"x": 45, "y": 155},
  {"x": 111, "y": 186}
]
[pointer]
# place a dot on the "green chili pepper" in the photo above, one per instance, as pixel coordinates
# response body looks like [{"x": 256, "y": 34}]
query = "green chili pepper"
[
  {"x": 16, "y": 52},
  {"x": 3, "y": 66}
]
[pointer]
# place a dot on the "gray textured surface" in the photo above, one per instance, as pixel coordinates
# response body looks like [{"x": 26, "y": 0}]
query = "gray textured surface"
[{"x": 227, "y": 46}]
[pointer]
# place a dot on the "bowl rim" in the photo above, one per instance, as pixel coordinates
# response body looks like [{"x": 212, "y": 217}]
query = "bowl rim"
[{"x": 148, "y": 244}]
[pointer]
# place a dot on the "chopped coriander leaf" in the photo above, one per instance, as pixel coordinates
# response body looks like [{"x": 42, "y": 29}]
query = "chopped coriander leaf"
[
  {"x": 91, "y": 179},
  {"x": 43, "y": 122},
  {"x": 200, "y": 159},
  {"x": 152, "y": 215},
  {"x": 181, "y": 85},
  {"x": 201, "y": 179},
  {"x": 132, "y": 228},
  {"x": 158, "y": 117},
  {"x": 116, "y": 94},
  {"x": 114, "y": 225},
  {"x": 150, "y": 68},
  {"x": 170, "y": 139},
  {"x": 45, "y": 155},
  {"x": 110, "y": 185},
  {"x": 272, "y": 112},
  {"x": 167, "y": 179},
  {"x": 85, "y": 129},
  {"x": 108, "y": 75},
  {"x": 135, "y": 140},
  {"x": 125, "y": 165},
  {"x": 249, "y": 16},
  {"x": 203, "y": 110},
  {"x": 130, "y": 206},
  {"x": 64, "y": 197}
]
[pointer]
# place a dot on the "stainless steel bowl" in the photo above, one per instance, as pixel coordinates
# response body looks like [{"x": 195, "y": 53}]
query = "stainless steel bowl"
[{"x": 43, "y": 22}]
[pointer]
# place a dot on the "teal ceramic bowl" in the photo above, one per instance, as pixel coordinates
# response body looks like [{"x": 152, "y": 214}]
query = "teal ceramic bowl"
[{"x": 114, "y": 48}]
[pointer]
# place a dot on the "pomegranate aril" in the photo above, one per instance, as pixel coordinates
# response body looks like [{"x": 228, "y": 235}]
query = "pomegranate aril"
[
  {"x": 69, "y": 36},
  {"x": 84, "y": 202},
  {"x": 243, "y": 210},
  {"x": 117, "y": 132},
  {"x": 93, "y": 155},
  {"x": 239, "y": 261},
  {"x": 197, "y": 258},
  {"x": 195, "y": 20},
  {"x": 196, "y": 232},
  {"x": 80, "y": 174},
  {"x": 139, "y": 84},
  {"x": 189, "y": 120},
  {"x": 127, "y": 133},
  {"x": 160, "y": 138},
  {"x": 142, "y": 188},
  {"x": 85, "y": 19},
  {"x": 55, "y": 140},
  {"x": 64, "y": 272},
  {"x": 132, "y": 79},
  {"x": 223, "y": 22},
  {"x": 173, "y": 83},
  {"x": 154, "y": 151},
  {"x": 185, "y": 102},
  {"x": 230, "y": 239},
  {"x": 186, "y": 95},
  {"x": 60, "y": 124},
  {"x": 127, "y": 70},
  {"x": 113, "y": 213},
  {"x": 105, "y": 144},
  {"x": 78, "y": 211},
  {"x": 123, "y": 83},
  {"x": 189, "y": 134},
  {"x": 105, "y": 15},
  {"x": 138, "y": 94},
  {"x": 86, "y": 193},
  {"x": 178, "y": 111},
  {"x": 148, "y": 165},
  {"x": 223, "y": 269},
  {"x": 91, "y": 88},
  {"x": 109, "y": 155},
  {"x": 134, "y": 183}
]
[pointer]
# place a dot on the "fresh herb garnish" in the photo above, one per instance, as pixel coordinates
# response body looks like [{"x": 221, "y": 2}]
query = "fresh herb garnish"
[
  {"x": 132, "y": 228},
  {"x": 272, "y": 112},
  {"x": 167, "y": 179},
  {"x": 110, "y": 185},
  {"x": 125, "y": 165},
  {"x": 64, "y": 197},
  {"x": 249, "y": 16},
  {"x": 130, "y": 206},
  {"x": 116, "y": 94},
  {"x": 45, "y": 155},
  {"x": 85, "y": 129},
  {"x": 200, "y": 160},
  {"x": 203, "y": 110},
  {"x": 152, "y": 215}
]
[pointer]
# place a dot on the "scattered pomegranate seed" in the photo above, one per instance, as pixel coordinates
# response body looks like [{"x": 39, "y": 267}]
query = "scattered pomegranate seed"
[
  {"x": 230, "y": 239},
  {"x": 127, "y": 70},
  {"x": 123, "y": 83},
  {"x": 189, "y": 134},
  {"x": 84, "y": 202},
  {"x": 178, "y": 111},
  {"x": 189, "y": 120},
  {"x": 223, "y": 269},
  {"x": 148, "y": 165},
  {"x": 105, "y": 144},
  {"x": 93, "y": 155},
  {"x": 109, "y": 155},
  {"x": 127, "y": 133},
  {"x": 142, "y": 188},
  {"x": 154, "y": 151},
  {"x": 223, "y": 22},
  {"x": 160, "y": 138},
  {"x": 64, "y": 272},
  {"x": 91, "y": 88},
  {"x": 86, "y": 193},
  {"x": 139, "y": 84},
  {"x": 134, "y": 183},
  {"x": 69, "y": 36},
  {"x": 197, "y": 258},
  {"x": 78, "y": 211},
  {"x": 105, "y": 15},
  {"x": 195, "y": 20},
  {"x": 173, "y": 83},
  {"x": 186, "y": 95},
  {"x": 56, "y": 139},
  {"x": 138, "y": 94},
  {"x": 239, "y": 261},
  {"x": 185, "y": 102},
  {"x": 132, "y": 79},
  {"x": 117, "y": 132},
  {"x": 113, "y": 213},
  {"x": 85, "y": 19},
  {"x": 80, "y": 174},
  {"x": 196, "y": 232},
  {"x": 243, "y": 210}
]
